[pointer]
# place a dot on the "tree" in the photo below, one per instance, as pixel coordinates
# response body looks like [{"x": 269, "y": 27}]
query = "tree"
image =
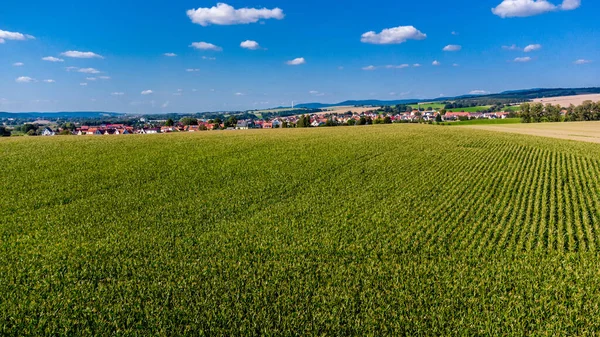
[
  {"x": 387, "y": 120},
  {"x": 68, "y": 125},
  {"x": 169, "y": 122},
  {"x": 31, "y": 133},
  {"x": 537, "y": 112},
  {"x": 4, "y": 132},
  {"x": 65, "y": 132},
  {"x": 231, "y": 122},
  {"x": 351, "y": 122},
  {"x": 438, "y": 118},
  {"x": 189, "y": 121},
  {"x": 525, "y": 113},
  {"x": 362, "y": 121}
]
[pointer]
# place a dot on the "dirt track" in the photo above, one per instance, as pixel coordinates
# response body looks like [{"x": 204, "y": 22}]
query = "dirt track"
[{"x": 580, "y": 131}]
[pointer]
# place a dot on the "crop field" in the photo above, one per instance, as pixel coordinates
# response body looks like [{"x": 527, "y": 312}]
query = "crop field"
[
  {"x": 415, "y": 230},
  {"x": 471, "y": 109},
  {"x": 484, "y": 121},
  {"x": 435, "y": 106},
  {"x": 580, "y": 131}
]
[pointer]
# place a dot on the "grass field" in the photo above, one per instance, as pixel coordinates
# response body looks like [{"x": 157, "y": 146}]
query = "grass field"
[
  {"x": 414, "y": 230},
  {"x": 434, "y": 106},
  {"x": 471, "y": 109}
]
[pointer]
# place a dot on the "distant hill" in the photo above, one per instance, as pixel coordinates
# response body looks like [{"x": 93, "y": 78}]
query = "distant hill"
[
  {"x": 524, "y": 94},
  {"x": 69, "y": 114}
]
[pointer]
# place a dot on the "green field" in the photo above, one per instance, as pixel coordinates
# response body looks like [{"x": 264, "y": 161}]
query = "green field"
[
  {"x": 415, "y": 230},
  {"x": 434, "y": 106},
  {"x": 471, "y": 109},
  {"x": 485, "y": 121}
]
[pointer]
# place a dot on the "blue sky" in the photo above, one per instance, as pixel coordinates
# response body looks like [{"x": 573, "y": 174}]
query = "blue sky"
[{"x": 102, "y": 55}]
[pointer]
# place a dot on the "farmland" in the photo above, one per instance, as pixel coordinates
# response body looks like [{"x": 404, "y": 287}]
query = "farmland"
[
  {"x": 580, "y": 131},
  {"x": 471, "y": 109},
  {"x": 380, "y": 230}
]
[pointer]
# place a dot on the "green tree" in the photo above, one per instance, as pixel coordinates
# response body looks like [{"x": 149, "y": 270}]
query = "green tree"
[
  {"x": 65, "y": 132},
  {"x": 351, "y": 122},
  {"x": 362, "y": 121},
  {"x": 526, "y": 113},
  {"x": 170, "y": 122},
  {"x": 537, "y": 112},
  {"x": 387, "y": 120},
  {"x": 231, "y": 122},
  {"x": 189, "y": 121},
  {"x": 438, "y": 118},
  {"x": 4, "y": 132}
]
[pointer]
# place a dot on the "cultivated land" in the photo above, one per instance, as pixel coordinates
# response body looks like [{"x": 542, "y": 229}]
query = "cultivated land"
[
  {"x": 412, "y": 230},
  {"x": 565, "y": 101},
  {"x": 581, "y": 131},
  {"x": 344, "y": 109}
]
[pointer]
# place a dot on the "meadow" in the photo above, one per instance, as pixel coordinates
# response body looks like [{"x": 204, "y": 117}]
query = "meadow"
[
  {"x": 414, "y": 230},
  {"x": 472, "y": 109}
]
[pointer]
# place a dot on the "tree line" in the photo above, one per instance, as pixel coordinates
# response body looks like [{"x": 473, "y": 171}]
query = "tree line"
[{"x": 539, "y": 113}]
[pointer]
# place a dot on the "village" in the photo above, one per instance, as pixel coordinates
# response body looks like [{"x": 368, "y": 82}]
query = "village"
[{"x": 314, "y": 120}]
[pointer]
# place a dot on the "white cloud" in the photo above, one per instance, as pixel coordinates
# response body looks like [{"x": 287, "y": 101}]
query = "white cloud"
[
  {"x": 118, "y": 93},
  {"x": 83, "y": 84},
  {"x": 436, "y": 63},
  {"x": 205, "y": 46},
  {"x": 224, "y": 14},
  {"x": 479, "y": 92},
  {"x": 454, "y": 33},
  {"x": 532, "y": 47},
  {"x": 524, "y": 8},
  {"x": 81, "y": 54},
  {"x": 582, "y": 61},
  {"x": 52, "y": 59},
  {"x": 249, "y": 44},
  {"x": 400, "y": 66},
  {"x": 147, "y": 92},
  {"x": 5, "y": 35},
  {"x": 511, "y": 47},
  {"x": 296, "y": 62},
  {"x": 452, "y": 47},
  {"x": 104, "y": 77},
  {"x": 166, "y": 104},
  {"x": 393, "y": 35},
  {"x": 239, "y": 94},
  {"x": 18, "y": 64},
  {"x": 179, "y": 90},
  {"x": 416, "y": 65},
  {"x": 88, "y": 71},
  {"x": 24, "y": 79},
  {"x": 90, "y": 78},
  {"x": 523, "y": 59},
  {"x": 170, "y": 54},
  {"x": 456, "y": 65},
  {"x": 369, "y": 68},
  {"x": 72, "y": 68},
  {"x": 192, "y": 70},
  {"x": 313, "y": 92},
  {"x": 209, "y": 58},
  {"x": 49, "y": 81}
]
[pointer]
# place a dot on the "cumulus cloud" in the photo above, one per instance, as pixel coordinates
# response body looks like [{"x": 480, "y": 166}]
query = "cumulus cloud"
[
  {"x": 582, "y": 61},
  {"x": 209, "y": 58},
  {"x": 369, "y": 68},
  {"x": 83, "y": 84},
  {"x": 532, "y": 47},
  {"x": 454, "y": 33},
  {"x": 205, "y": 46},
  {"x": 452, "y": 47},
  {"x": 456, "y": 65},
  {"x": 52, "y": 59},
  {"x": 18, "y": 64},
  {"x": 118, "y": 93},
  {"x": 147, "y": 92},
  {"x": 104, "y": 77},
  {"x": 436, "y": 63},
  {"x": 239, "y": 94},
  {"x": 395, "y": 35},
  {"x": 192, "y": 70},
  {"x": 416, "y": 65},
  {"x": 24, "y": 79},
  {"x": 81, "y": 54},
  {"x": 525, "y": 8},
  {"x": 88, "y": 71},
  {"x": 249, "y": 44},
  {"x": 523, "y": 59},
  {"x": 224, "y": 14},
  {"x": 170, "y": 54},
  {"x": 5, "y": 35},
  {"x": 296, "y": 62},
  {"x": 49, "y": 81},
  {"x": 90, "y": 78},
  {"x": 479, "y": 92}
]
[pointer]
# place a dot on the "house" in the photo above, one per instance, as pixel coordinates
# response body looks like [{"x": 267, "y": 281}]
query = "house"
[
  {"x": 48, "y": 132},
  {"x": 242, "y": 125},
  {"x": 452, "y": 116},
  {"x": 267, "y": 125},
  {"x": 150, "y": 131},
  {"x": 316, "y": 123}
]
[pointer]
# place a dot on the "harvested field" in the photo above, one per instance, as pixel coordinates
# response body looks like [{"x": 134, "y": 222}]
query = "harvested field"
[
  {"x": 581, "y": 131},
  {"x": 568, "y": 100}
]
